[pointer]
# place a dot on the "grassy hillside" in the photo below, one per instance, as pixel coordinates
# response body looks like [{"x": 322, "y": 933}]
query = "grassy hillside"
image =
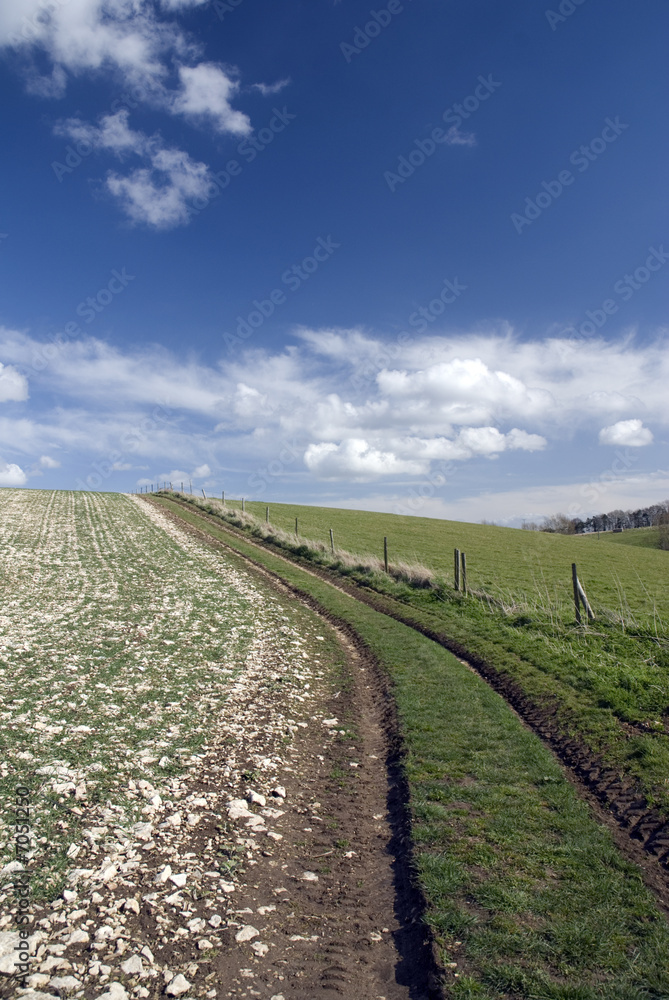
[
  {"x": 647, "y": 538},
  {"x": 518, "y": 566},
  {"x": 606, "y": 683}
]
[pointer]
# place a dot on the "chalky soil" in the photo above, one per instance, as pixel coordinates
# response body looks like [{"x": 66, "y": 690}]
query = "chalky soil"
[{"x": 228, "y": 828}]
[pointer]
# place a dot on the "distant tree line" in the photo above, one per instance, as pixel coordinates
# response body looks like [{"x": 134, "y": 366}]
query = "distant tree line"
[{"x": 657, "y": 515}]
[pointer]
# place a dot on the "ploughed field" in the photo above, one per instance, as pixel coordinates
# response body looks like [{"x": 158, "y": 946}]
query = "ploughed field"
[{"x": 170, "y": 729}]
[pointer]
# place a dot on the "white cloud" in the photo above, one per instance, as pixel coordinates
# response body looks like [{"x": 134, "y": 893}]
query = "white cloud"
[
  {"x": 47, "y": 462},
  {"x": 356, "y": 460},
  {"x": 13, "y": 385},
  {"x": 626, "y": 434},
  {"x": 454, "y": 137},
  {"x": 11, "y": 475},
  {"x": 159, "y": 196},
  {"x": 123, "y": 36},
  {"x": 181, "y": 4},
  {"x": 521, "y": 440},
  {"x": 206, "y": 91},
  {"x": 129, "y": 41},
  {"x": 272, "y": 88},
  {"x": 176, "y": 477},
  {"x": 113, "y": 135},
  {"x": 458, "y": 398}
]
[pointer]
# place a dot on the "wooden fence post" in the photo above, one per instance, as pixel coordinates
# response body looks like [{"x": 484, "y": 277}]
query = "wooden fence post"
[
  {"x": 223, "y": 497},
  {"x": 204, "y": 494},
  {"x": 385, "y": 553},
  {"x": 296, "y": 531},
  {"x": 463, "y": 572},
  {"x": 182, "y": 487},
  {"x": 190, "y": 483},
  {"x": 243, "y": 507},
  {"x": 266, "y": 515},
  {"x": 456, "y": 569},
  {"x": 332, "y": 541},
  {"x": 577, "y": 600},
  {"x": 580, "y": 596}
]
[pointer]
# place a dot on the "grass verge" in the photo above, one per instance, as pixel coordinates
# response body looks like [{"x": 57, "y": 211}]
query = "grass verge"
[{"x": 526, "y": 893}]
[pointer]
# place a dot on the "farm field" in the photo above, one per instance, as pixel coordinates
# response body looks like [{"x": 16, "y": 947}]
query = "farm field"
[
  {"x": 527, "y": 896},
  {"x": 504, "y": 562},
  {"x": 647, "y": 538},
  {"x": 606, "y": 684},
  {"x": 162, "y": 716},
  {"x": 211, "y": 806}
]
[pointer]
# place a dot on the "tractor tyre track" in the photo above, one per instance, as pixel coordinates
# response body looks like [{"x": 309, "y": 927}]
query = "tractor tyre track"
[{"x": 640, "y": 831}]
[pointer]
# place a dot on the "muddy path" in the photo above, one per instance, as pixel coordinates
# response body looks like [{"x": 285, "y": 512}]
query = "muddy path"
[{"x": 640, "y": 831}]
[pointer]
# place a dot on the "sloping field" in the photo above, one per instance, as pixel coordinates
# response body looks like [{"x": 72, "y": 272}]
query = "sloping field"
[
  {"x": 601, "y": 689},
  {"x": 168, "y": 782},
  {"x": 118, "y": 645},
  {"x": 522, "y": 566},
  {"x": 645, "y": 538},
  {"x": 527, "y": 895}
]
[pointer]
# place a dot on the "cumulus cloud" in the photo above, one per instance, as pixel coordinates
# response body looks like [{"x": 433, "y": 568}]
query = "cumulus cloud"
[
  {"x": 131, "y": 41},
  {"x": 126, "y": 36},
  {"x": 157, "y": 194},
  {"x": 13, "y": 385},
  {"x": 626, "y": 434},
  {"x": 379, "y": 412},
  {"x": 356, "y": 460},
  {"x": 46, "y": 462},
  {"x": 11, "y": 475},
  {"x": 206, "y": 91},
  {"x": 113, "y": 134},
  {"x": 160, "y": 195}
]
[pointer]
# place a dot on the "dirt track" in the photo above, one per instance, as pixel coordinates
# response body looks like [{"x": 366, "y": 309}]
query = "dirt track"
[{"x": 640, "y": 831}]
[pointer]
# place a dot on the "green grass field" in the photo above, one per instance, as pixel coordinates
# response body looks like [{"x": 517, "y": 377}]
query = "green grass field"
[
  {"x": 528, "y": 566},
  {"x": 526, "y": 893},
  {"x": 646, "y": 538},
  {"x": 608, "y": 682}
]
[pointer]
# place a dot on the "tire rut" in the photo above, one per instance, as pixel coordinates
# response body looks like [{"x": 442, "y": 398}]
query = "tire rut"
[{"x": 641, "y": 831}]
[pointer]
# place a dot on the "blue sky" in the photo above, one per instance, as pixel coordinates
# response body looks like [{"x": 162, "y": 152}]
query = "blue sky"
[{"x": 402, "y": 257}]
